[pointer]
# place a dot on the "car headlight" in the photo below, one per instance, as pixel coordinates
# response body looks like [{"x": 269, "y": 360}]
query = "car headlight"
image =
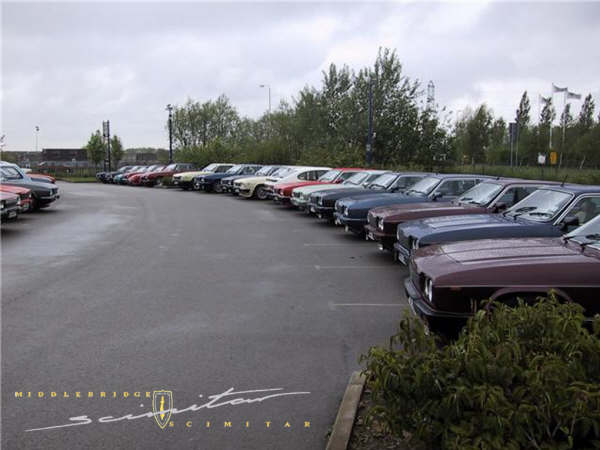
[
  {"x": 414, "y": 244},
  {"x": 19, "y": 203},
  {"x": 380, "y": 223},
  {"x": 345, "y": 211},
  {"x": 2, "y": 204},
  {"x": 429, "y": 289}
]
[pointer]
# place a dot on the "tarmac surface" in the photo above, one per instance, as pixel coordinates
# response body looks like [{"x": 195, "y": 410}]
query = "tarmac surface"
[{"x": 116, "y": 289}]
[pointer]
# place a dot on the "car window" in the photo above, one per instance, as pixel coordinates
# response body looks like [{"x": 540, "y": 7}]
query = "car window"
[
  {"x": 585, "y": 209},
  {"x": 10, "y": 173},
  {"x": 515, "y": 194},
  {"x": 405, "y": 182},
  {"x": 346, "y": 175},
  {"x": 542, "y": 205},
  {"x": 453, "y": 188}
]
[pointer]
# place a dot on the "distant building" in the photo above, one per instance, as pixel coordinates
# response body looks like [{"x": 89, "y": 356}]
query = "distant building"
[
  {"x": 146, "y": 158},
  {"x": 23, "y": 158},
  {"x": 64, "y": 157}
]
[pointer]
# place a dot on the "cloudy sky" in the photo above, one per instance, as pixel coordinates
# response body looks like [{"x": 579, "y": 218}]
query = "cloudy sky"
[{"x": 68, "y": 66}]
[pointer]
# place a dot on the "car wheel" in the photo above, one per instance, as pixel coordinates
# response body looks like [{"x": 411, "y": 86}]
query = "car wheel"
[
  {"x": 159, "y": 182},
  {"x": 260, "y": 193},
  {"x": 218, "y": 188}
]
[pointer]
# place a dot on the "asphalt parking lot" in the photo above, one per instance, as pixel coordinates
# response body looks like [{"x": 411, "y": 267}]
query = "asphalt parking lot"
[{"x": 120, "y": 289}]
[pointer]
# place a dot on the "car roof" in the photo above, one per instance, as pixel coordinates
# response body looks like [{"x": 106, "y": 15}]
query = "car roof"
[
  {"x": 575, "y": 188},
  {"x": 505, "y": 181}
]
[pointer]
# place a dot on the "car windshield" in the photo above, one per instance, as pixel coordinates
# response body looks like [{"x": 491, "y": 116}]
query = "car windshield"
[
  {"x": 281, "y": 172},
  {"x": 170, "y": 167},
  {"x": 588, "y": 233},
  {"x": 10, "y": 173},
  {"x": 264, "y": 171},
  {"x": 210, "y": 168},
  {"x": 357, "y": 179},
  {"x": 424, "y": 186},
  {"x": 384, "y": 180},
  {"x": 541, "y": 206},
  {"x": 481, "y": 194},
  {"x": 235, "y": 169},
  {"x": 330, "y": 175}
]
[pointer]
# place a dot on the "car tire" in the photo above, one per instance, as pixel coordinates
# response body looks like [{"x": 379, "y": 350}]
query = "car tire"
[
  {"x": 260, "y": 193},
  {"x": 158, "y": 182},
  {"x": 218, "y": 188}
]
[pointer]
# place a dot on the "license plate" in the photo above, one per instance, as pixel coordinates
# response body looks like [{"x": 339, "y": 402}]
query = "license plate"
[
  {"x": 312, "y": 209},
  {"x": 337, "y": 221},
  {"x": 12, "y": 214},
  {"x": 370, "y": 237},
  {"x": 347, "y": 228},
  {"x": 320, "y": 216},
  {"x": 401, "y": 258}
]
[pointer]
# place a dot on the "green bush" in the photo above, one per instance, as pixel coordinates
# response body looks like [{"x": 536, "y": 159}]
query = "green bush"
[{"x": 523, "y": 377}]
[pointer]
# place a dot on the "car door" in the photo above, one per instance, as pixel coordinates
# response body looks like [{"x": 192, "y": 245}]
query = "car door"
[
  {"x": 453, "y": 187},
  {"x": 513, "y": 195},
  {"x": 583, "y": 209}
]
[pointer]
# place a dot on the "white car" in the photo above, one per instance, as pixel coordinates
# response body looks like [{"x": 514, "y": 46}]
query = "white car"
[
  {"x": 297, "y": 174},
  {"x": 300, "y": 195},
  {"x": 255, "y": 186}
]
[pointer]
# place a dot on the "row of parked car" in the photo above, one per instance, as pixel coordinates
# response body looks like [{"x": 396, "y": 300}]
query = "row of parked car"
[
  {"x": 22, "y": 191},
  {"x": 465, "y": 238}
]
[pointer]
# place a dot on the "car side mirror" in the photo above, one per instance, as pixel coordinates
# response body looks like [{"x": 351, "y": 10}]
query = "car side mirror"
[
  {"x": 435, "y": 197},
  {"x": 569, "y": 221},
  {"x": 338, "y": 181},
  {"x": 499, "y": 207}
]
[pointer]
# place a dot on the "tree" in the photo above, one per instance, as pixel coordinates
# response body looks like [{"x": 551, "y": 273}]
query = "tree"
[
  {"x": 586, "y": 115},
  {"x": 472, "y": 134},
  {"x": 522, "y": 119},
  {"x": 116, "y": 150},
  {"x": 95, "y": 148}
]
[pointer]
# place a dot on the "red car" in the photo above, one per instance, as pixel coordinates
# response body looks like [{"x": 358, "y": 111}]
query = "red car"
[
  {"x": 9, "y": 206},
  {"x": 24, "y": 195},
  {"x": 282, "y": 192},
  {"x": 135, "y": 179},
  {"x": 154, "y": 178}
]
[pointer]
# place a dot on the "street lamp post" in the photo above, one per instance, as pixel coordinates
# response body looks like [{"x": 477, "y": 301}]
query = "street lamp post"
[
  {"x": 268, "y": 86},
  {"x": 37, "y": 132},
  {"x": 170, "y": 109}
]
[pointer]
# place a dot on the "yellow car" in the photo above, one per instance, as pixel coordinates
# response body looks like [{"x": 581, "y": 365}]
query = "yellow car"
[
  {"x": 185, "y": 180},
  {"x": 255, "y": 186}
]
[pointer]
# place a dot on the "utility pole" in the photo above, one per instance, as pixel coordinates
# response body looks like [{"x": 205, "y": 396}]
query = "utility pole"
[
  {"x": 170, "y": 109},
  {"x": 37, "y": 132},
  {"x": 106, "y": 133},
  {"x": 268, "y": 86},
  {"x": 370, "y": 132}
]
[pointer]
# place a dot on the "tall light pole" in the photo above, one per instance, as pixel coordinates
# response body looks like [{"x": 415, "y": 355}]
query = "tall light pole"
[
  {"x": 37, "y": 132},
  {"x": 268, "y": 86},
  {"x": 170, "y": 109}
]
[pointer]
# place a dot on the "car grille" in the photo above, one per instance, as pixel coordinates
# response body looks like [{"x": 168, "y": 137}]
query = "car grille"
[
  {"x": 372, "y": 219},
  {"x": 297, "y": 194}
]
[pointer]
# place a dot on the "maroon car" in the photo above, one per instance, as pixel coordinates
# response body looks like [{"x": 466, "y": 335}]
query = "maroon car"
[
  {"x": 448, "y": 283},
  {"x": 490, "y": 196},
  {"x": 156, "y": 177}
]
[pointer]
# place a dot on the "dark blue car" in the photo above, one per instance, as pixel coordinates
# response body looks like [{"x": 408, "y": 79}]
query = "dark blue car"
[
  {"x": 212, "y": 182},
  {"x": 547, "y": 212},
  {"x": 351, "y": 212},
  {"x": 322, "y": 203}
]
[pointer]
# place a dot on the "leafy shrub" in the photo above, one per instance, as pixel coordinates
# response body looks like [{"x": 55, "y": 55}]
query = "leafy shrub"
[{"x": 523, "y": 377}]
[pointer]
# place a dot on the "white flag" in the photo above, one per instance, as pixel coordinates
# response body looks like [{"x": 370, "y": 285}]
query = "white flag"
[{"x": 555, "y": 89}]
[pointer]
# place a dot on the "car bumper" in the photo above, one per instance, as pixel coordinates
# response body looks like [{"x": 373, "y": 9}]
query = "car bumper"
[
  {"x": 433, "y": 318},
  {"x": 386, "y": 241},
  {"x": 322, "y": 212},
  {"x": 49, "y": 198},
  {"x": 401, "y": 253},
  {"x": 10, "y": 213},
  {"x": 300, "y": 204},
  {"x": 278, "y": 198},
  {"x": 350, "y": 224},
  {"x": 182, "y": 183}
]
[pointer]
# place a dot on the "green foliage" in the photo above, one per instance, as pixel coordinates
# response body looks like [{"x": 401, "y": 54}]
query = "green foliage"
[
  {"x": 116, "y": 150},
  {"x": 523, "y": 377},
  {"x": 95, "y": 148}
]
